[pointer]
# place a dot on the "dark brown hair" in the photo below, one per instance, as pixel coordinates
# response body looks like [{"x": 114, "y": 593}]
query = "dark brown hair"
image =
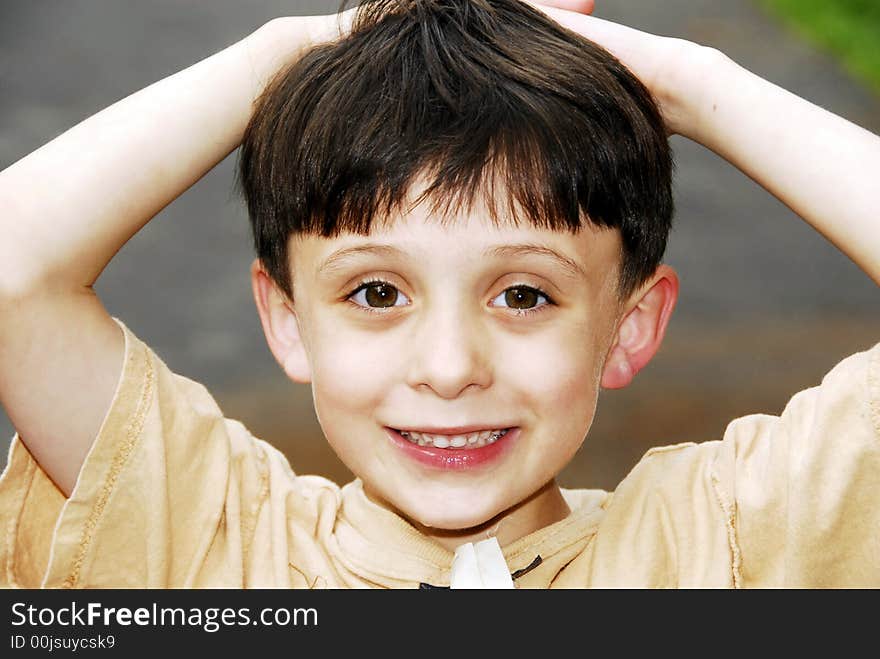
[{"x": 489, "y": 99}]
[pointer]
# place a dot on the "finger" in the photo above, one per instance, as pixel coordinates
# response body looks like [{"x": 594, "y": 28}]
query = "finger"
[
  {"x": 617, "y": 38},
  {"x": 579, "y": 6}
]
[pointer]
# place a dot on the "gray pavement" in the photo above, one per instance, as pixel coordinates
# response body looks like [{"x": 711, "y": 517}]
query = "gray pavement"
[{"x": 767, "y": 306}]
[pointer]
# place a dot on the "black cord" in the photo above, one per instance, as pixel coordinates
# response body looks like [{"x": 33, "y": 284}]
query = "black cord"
[{"x": 516, "y": 575}]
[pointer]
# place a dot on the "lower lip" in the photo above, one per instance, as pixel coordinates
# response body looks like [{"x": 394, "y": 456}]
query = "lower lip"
[{"x": 455, "y": 459}]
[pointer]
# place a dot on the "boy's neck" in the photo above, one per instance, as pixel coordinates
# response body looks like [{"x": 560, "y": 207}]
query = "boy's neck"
[{"x": 546, "y": 506}]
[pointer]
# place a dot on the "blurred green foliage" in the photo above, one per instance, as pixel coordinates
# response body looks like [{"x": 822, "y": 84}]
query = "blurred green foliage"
[{"x": 850, "y": 29}]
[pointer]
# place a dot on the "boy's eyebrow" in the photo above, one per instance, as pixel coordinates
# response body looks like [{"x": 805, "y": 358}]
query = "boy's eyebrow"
[
  {"x": 570, "y": 266},
  {"x": 337, "y": 258}
]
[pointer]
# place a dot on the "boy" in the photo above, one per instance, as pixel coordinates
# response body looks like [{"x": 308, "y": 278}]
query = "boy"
[{"x": 455, "y": 349}]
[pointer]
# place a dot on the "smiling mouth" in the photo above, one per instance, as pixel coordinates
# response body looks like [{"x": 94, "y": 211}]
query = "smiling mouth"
[{"x": 472, "y": 440}]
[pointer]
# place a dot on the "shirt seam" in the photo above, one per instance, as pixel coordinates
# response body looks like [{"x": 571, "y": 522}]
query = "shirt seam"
[
  {"x": 874, "y": 390},
  {"x": 250, "y": 526},
  {"x": 730, "y": 523},
  {"x": 132, "y": 432},
  {"x": 12, "y": 526}
]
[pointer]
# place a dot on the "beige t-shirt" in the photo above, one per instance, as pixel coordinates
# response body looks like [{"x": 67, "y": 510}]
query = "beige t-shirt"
[{"x": 173, "y": 494}]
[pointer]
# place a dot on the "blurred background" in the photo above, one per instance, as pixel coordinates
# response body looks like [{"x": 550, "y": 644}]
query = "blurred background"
[{"x": 767, "y": 306}]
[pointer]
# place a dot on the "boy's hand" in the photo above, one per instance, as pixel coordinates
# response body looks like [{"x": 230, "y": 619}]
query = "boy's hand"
[
  {"x": 671, "y": 68},
  {"x": 328, "y": 27},
  {"x": 821, "y": 166},
  {"x": 579, "y": 6}
]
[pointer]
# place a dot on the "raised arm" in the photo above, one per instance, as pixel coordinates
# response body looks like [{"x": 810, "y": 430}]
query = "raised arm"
[
  {"x": 68, "y": 207},
  {"x": 821, "y": 166}
]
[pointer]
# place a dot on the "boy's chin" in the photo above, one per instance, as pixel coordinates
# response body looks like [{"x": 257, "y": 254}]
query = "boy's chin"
[
  {"x": 443, "y": 508},
  {"x": 453, "y": 516},
  {"x": 447, "y": 522}
]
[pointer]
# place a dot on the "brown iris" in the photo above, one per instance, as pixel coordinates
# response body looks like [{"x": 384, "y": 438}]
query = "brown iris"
[
  {"x": 521, "y": 298},
  {"x": 380, "y": 295}
]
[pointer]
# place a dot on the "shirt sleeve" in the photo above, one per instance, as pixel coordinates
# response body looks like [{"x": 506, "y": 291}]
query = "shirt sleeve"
[
  {"x": 803, "y": 489},
  {"x": 169, "y": 491}
]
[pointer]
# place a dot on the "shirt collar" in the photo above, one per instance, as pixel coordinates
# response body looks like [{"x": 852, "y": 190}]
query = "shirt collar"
[{"x": 380, "y": 546}]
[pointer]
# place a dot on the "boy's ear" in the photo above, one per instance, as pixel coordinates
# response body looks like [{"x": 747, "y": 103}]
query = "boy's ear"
[
  {"x": 641, "y": 329},
  {"x": 280, "y": 325}
]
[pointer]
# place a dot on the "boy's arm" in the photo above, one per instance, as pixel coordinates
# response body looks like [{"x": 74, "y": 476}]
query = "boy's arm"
[
  {"x": 821, "y": 166},
  {"x": 68, "y": 207}
]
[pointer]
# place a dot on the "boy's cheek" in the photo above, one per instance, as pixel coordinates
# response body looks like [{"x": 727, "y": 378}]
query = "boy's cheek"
[
  {"x": 353, "y": 375},
  {"x": 563, "y": 368}
]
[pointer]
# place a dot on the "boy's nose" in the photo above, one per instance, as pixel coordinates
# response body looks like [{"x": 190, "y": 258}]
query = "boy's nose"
[{"x": 449, "y": 354}]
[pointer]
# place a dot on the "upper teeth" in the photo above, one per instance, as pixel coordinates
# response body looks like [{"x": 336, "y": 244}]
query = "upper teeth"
[{"x": 469, "y": 440}]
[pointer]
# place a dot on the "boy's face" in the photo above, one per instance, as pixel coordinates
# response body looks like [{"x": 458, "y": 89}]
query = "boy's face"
[{"x": 452, "y": 330}]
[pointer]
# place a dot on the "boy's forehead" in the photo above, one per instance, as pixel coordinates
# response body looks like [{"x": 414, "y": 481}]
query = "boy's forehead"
[{"x": 590, "y": 253}]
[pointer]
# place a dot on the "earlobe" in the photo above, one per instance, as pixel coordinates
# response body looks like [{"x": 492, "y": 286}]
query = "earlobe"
[
  {"x": 280, "y": 325},
  {"x": 641, "y": 330}
]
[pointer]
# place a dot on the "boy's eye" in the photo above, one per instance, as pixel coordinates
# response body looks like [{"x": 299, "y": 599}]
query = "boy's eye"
[
  {"x": 521, "y": 297},
  {"x": 378, "y": 295}
]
